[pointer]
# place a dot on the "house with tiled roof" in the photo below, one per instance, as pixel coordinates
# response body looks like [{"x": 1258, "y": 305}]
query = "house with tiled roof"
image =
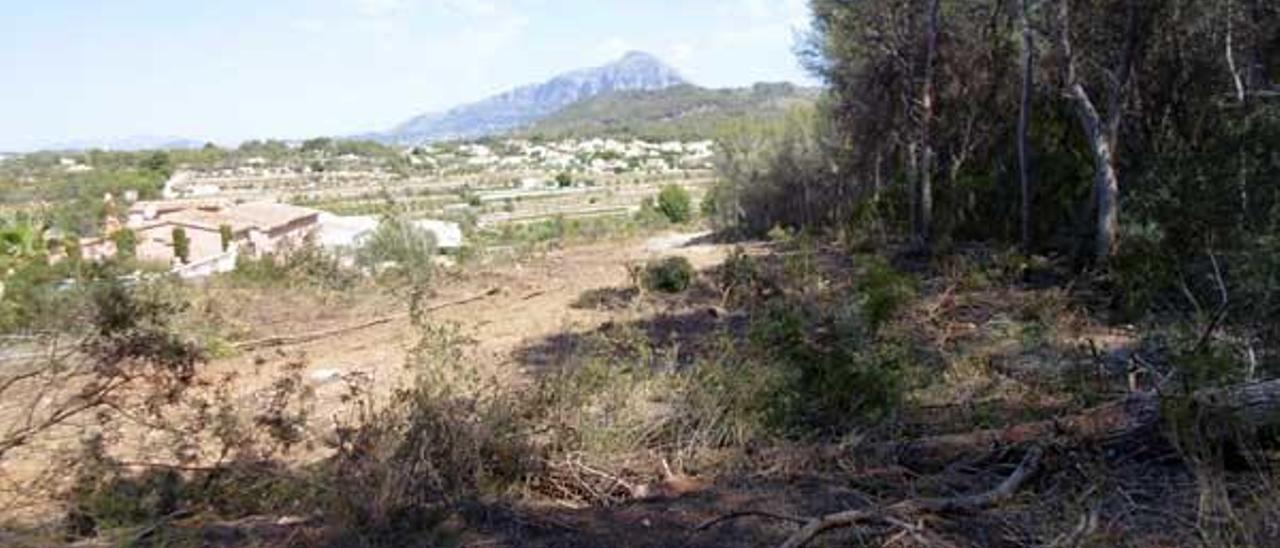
[{"x": 255, "y": 229}]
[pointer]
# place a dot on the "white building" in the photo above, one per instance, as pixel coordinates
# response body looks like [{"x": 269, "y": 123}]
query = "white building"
[
  {"x": 448, "y": 235},
  {"x": 339, "y": 233}
]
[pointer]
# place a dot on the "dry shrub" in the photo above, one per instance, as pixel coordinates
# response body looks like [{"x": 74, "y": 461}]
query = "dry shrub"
[{"x": 451, "y": 437}]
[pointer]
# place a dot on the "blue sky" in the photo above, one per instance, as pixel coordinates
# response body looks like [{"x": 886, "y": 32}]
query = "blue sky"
[{"x": 228, "y": 70}]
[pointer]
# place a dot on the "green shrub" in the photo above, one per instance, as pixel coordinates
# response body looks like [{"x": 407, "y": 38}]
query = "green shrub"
[
  {"x": 674, "y": 203},
  {"x": 402, "y": 246},
  {"x": 228, "y": 237},
  {"x": 181, "y": 244},
  {"x": 884, "y": 292},
  {"x": 305, "y": 266},
  {"x": 126, "y": 242},
  {"x": 669, "y": 275},
  {"x": 739, "y": 275},
  {"x": 838, "y": 375}
]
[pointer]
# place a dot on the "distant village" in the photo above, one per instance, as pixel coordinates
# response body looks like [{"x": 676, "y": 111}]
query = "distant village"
[
  {"x": 217, "y": 232},
  {"x": 240, "y": 207}
]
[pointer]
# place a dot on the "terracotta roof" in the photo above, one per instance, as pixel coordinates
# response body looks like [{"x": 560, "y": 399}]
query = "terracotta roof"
[
  {"x": 209, "y": 220},
  {"x": 164, "y": 206},
  {"x": 267, "y": 215}
]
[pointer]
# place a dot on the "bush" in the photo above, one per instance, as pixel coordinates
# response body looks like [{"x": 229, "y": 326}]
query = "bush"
[
  {"x": 181, "y": 245},
  {"x": 401, "y": 244},
  {"x": 837, "y": 374},
  {"x": 670, "y": 275},
  {"x": 884, "y": 291},
  {"x": 674, "y": 203},
  {"x": 306, "y": 266},
  {"x": 740, "y": 275}
]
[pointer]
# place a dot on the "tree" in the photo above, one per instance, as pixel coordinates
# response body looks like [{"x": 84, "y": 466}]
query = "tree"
[
  {"x": 126, "y": 241},
  {"x": 923, "y": 220},
  {"x": 674, "y": 203},
  {"x": 1101, "y": 129},
  {"x": 181, "y": 245},
  {"x": 1024, "y": 116},
  {"x": 228, "y": 237},
  {"x": 318, "y": 144},
  {"x": 159, "y": 163}
]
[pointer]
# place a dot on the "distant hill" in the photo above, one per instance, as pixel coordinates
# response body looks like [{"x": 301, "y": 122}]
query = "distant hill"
[
  {"x": 680, "y": 112},
  {"x": 524, "y": 105},
  {"x": 129, "y": 144}
]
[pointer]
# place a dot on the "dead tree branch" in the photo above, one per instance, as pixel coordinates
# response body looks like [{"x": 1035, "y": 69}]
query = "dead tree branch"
[{"x": 893, "y": 514}]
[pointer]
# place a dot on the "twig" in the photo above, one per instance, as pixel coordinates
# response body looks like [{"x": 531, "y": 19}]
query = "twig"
[
  {"x": 269, "y": 342},
  {"x": 1221, "y": 313},
  {"x": 1007, "y": 488},
  {"x": 748, "y": 514}
]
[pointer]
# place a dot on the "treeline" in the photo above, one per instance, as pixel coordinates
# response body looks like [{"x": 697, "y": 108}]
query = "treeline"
[{"x": 1137, "y": 137}]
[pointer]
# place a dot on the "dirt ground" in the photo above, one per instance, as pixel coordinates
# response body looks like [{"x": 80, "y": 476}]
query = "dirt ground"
[
  {"x": 507, "y": 307},
  {"x": 504, "y": 307}
]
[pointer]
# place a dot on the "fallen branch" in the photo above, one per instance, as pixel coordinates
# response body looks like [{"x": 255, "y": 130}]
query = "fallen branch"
[
  {"x": 1249, "y": 406},
  {"x": 284, "y": 340},
  {"x": 749, "y": 514},
  {"x": 892, "y": 514}
]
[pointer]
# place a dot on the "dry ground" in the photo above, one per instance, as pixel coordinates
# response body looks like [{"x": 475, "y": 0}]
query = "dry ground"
[{"x": 520, "y": 303}]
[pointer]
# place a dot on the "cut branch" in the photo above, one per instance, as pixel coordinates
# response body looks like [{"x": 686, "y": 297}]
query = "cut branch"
[
  {"x": 969, "y": 503},
  {"x": 270, "y": 342}
]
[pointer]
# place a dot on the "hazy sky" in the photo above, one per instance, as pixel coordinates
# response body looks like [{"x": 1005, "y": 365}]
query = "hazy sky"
[{"x": 228, "y": 70}]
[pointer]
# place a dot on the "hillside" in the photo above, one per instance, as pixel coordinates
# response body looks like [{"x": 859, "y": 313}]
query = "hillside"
[
  {"x": 518, "y": 107},
  {"x": 680, "y": 112}
]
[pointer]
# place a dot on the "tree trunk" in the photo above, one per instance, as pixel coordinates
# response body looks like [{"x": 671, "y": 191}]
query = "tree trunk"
[
  {"x": 924, "y": 190},
  {"x": 1024, "y": 114},
  {"x": 1101, "y": 133}
]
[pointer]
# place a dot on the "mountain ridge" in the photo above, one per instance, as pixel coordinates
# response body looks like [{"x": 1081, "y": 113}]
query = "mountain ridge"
[
  {"x": 520, "y": 106},
  {"x": 679, "y": 112}
]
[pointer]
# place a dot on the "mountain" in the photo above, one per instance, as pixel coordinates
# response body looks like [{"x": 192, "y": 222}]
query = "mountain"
[
  {"x": 679, "y": 112},
  {"x": 636, "y": 71},
  {"x": 129, "y": 144}
]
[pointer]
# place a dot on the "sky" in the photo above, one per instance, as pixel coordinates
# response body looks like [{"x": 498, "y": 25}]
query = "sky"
[{"x": 230, "y": 70}]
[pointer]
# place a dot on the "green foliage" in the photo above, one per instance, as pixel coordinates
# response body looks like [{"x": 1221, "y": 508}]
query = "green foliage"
[
  {"x": 181, "y": 244},
  {"x": 884, "y": 291},
  {"x": 775, "y": 174},
  {"x": 126, "y": 241},
  {"x": 305, "y": 266},
  {"x": 400, "y": 245},
  {"x": 227, "y": 236},
  {"x": 158, "y": 163},
  {"x": 674, "y": 202},
  {"x": 677, "y": 113},
  {"x": 564, "y": 179},
  {"x": 740, "y": 276},
  {"x": 837, "y": 375},
  {"x": 1142, "y": 270},
  {"x": 669, "y": 275}
]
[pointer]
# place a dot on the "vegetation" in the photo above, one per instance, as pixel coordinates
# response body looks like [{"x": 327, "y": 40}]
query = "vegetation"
[
  {"x": 669, "y": 275},
  {"x": 181, "y": 244},
  {"x": 674, "y": 203},
  {"x": 1018, "y": 269},
  {"x": 682, "y": 112}
]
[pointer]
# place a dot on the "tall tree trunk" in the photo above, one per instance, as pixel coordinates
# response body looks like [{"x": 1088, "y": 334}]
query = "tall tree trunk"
[
  {"x": 924, "y": 228},
  {"x": 1106, "y": 184},
  {"x": 1024, "y": 115},
  {"x": 1236, "y": 80},
  {"x": 1102, "y": 133}
]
